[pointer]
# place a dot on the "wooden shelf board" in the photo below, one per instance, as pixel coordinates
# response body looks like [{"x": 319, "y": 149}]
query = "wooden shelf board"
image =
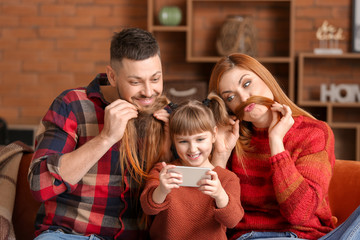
[
  {"x": 334, "y": 56},
  {"x": 160, "y": 28},
  {"x": 260, "y": 59},
  {"x": 344, "y": 125},
  {"x": 176, "y": 77},
  {"x": 328, "y": 104},
  {"x": 242, "y": 0}
]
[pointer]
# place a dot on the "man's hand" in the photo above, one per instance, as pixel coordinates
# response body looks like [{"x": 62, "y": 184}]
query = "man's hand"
[{"x": 117, "y": 115}]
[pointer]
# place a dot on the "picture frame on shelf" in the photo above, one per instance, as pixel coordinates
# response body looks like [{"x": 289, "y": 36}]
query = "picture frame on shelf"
[{"x": 356, "y": 26}]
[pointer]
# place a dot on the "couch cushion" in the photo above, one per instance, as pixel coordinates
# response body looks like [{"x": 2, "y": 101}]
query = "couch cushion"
[{"x": 344, "y": 192}]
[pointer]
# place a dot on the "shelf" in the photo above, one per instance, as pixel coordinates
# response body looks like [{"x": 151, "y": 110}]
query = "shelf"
[
  {"x": 202, "y": 21},
  {"x": 329, "y": 56},
  {"x": 327, "y": 104},
  {"x": 160, "y": 28},
  {"x": 343, "y": 117},
  {"x": 315, "y": 70},
  {"x": 273, "y": 21},
  {"x": 345, "y": 138},
  {"x": 260, "y": 59}
]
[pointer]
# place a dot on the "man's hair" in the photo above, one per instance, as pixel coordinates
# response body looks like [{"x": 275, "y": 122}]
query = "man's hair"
[{"x": 133, "y": 43}]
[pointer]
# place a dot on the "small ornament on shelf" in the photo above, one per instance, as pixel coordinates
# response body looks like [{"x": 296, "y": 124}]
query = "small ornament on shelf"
[
  {"x": 343, "y": 93},
  {"x": 329, "y": 38},
  {"x": 237, "y": 34},
  {"x": 170, "y": 16}
]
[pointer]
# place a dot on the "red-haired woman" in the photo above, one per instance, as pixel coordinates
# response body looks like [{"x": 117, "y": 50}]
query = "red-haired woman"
[{"x": 284, "y": 157}]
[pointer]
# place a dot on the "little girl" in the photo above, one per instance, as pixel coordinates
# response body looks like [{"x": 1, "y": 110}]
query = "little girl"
[{"x": 190, "y": 212}]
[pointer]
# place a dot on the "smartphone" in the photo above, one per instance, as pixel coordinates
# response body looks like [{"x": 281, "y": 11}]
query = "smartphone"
[{"x": 191, "y": 175}]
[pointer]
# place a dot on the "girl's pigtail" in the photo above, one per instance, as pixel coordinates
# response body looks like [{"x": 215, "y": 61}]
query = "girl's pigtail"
[
  {"x": 222, "y": 117},
  {"x": 218, "y": 107}
]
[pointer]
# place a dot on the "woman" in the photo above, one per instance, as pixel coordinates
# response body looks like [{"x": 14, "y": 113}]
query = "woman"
[{"x": 284, "y": 156}]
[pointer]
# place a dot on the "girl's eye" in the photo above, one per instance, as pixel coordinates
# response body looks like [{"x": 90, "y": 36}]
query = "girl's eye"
[
  {"x": 200, "y": 139},
  {"x": 183, "y": 141},
  {"x": 230, "y": 98}
]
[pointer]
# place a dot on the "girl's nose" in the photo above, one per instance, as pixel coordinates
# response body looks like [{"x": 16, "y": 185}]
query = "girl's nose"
[{"x": 192, "y": 147}]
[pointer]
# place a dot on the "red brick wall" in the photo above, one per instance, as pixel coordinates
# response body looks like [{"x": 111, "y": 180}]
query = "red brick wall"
[
  {"x": 47, "y": 46},
  {"x": 310, "y": 15}
]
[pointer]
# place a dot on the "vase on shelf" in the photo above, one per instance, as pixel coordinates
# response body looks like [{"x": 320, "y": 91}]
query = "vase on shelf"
[
  {"x": 237, "y": 34},
  {"x": 170, "y": 16}
]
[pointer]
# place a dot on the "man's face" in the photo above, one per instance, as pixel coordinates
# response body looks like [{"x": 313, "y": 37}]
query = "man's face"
[{"x": 138, "y": 82}]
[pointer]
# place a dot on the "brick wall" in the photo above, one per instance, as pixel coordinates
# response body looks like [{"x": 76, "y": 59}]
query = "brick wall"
[
  {"x": 47, "y": 46},
  {"x": 310, "y": 15}
]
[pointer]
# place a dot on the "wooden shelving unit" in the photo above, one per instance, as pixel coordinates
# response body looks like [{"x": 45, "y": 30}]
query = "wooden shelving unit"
[
  {"x": 344, "y": 118},
  {"x": 202, "y": 20},
  {"x": 193, "y": 44}
]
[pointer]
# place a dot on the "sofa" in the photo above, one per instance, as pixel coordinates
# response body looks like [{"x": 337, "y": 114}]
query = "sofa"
[{"x": 344, "y": 196}]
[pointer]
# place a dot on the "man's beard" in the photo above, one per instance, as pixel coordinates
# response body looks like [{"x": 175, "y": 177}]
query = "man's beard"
[{"x": 139, "y": 107}]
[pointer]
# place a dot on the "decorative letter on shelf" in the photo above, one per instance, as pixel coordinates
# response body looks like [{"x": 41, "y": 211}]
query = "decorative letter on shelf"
[{"x": 340, "y": 93}]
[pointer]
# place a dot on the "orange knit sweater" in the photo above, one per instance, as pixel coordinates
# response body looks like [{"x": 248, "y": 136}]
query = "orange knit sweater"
[
  {"x": 289, "y": 191},
  {"x": 187, "y": 213}
]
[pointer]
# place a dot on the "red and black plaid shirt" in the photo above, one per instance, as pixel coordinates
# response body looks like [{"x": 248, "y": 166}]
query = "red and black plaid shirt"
[{"x": 96, "y": 204}]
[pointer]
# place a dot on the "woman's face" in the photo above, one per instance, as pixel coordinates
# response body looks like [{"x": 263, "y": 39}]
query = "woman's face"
[{"x": 237, "y": 85}]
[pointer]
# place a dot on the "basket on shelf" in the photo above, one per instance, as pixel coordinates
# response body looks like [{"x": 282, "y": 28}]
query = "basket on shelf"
[{"x": 237, "y": 34}]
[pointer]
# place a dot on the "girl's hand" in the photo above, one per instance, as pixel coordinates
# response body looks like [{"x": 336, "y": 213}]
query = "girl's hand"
[
  {"x": 279, "y": 127},
  {"x": 168, "y": 180},
  {"x": 163, "y": 116},
  {"x": 226, "y": 139},
  {"x": 214, "y": 189}
]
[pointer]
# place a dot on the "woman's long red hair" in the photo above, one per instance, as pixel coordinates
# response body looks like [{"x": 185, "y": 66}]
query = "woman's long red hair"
[{"x": 246, "y": 62}]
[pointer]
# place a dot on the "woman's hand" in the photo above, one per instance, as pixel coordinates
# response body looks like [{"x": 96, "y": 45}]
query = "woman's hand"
[
  {"x": 226, "y": 139},
  {"x": 214, "y": 189},
  {"x": 168, "y": 181},
  {"x": 279, "y": 127}
]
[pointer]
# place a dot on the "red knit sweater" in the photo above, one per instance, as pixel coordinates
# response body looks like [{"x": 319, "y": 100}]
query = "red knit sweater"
[
  {"x": 187, "y": 213},
  {"x": 289, "y": 191}
]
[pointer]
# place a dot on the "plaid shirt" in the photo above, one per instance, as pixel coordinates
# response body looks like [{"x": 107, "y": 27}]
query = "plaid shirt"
[{"x": 97, "y": 204}]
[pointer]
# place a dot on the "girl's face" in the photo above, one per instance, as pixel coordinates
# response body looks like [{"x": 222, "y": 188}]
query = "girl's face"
[
  {"x": 194, "y": 150},
  {"x": 237, "y": 85}
]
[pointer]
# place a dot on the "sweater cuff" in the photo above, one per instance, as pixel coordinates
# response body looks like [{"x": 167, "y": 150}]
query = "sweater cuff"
[
  {"x": 157, "y": 206},
  {"x": 280, "y": 156}
]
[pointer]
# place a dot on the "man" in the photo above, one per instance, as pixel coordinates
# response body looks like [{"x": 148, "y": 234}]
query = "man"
[{"x": 75, "y": 171}]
